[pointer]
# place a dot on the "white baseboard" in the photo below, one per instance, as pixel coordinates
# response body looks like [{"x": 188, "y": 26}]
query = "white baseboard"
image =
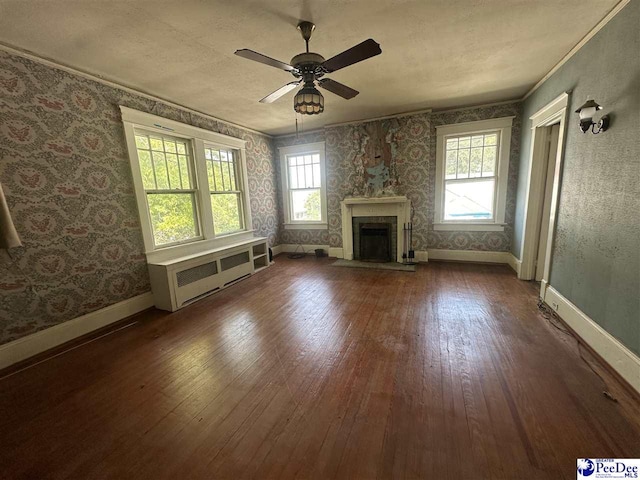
[
  {"x": 25, "y": 347},
  {"x": 469, "y": 256},
  {"x": 515, "y": 263},
  {"x": 277, "y": 250},
  {"x": 621, "y": 359},
  {"x": 294, "y": 247},
  {"x": 422, "y": 256},
  {"x": 336, "y": 252}
]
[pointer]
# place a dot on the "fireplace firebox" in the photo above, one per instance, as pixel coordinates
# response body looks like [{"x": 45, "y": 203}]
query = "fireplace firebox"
[{"x": 375, "y": 242}]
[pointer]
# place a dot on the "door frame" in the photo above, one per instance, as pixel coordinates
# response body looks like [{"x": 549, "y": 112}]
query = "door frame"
[{"x": 552, "y": 113}]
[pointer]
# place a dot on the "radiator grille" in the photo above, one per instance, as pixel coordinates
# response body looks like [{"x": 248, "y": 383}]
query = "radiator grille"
[
  {"x": 234, "y": 261},
  {"x": 194, "y": 274}
]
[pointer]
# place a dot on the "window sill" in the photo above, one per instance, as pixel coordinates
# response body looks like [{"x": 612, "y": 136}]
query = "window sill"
[
  {"x": 200, "y": 246},
  {"x": 305, "y": 226},
  {"x": 469, "y": 227}
]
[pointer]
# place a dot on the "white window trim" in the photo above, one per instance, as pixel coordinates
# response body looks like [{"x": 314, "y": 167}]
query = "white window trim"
[
  {"x": 290, "y": 224},
  {"x": 198, "y": 137},
  {"x": 503, "y": 125}
]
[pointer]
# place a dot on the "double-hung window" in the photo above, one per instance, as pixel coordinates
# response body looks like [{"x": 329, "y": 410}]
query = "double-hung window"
[
  {"x": 224, "y": 188},
  {"x": 166, "y": 167},
  {"x": 471, "y": 175},
  {"x": 191, "y": 186},
  {"x": 304, "y": 190}
]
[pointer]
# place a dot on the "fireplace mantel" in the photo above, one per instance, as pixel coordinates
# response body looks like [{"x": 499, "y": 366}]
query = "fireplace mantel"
[{"x": 399, "y": 207}]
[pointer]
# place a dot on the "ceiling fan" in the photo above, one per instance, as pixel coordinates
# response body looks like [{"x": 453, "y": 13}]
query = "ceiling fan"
[{"x": 309, "y": 68}]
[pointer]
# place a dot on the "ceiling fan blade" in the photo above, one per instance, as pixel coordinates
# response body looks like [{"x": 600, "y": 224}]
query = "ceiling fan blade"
[
  {"x": 272, "y": 97},
  {"x": 337, "y": 88},
  {"x": 362, "y": 51},
  {"x": 258, "y": 57}
]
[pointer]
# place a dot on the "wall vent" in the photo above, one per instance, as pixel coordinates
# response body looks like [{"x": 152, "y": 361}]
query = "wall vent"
[
  {"x": 234, "y": 260},
  {"x": 190, "y": 275}
]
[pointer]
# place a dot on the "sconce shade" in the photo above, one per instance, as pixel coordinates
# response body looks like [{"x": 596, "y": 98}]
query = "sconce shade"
[
  {"x": 308, "y": 101},
  {"x": 588, "y": 110}
]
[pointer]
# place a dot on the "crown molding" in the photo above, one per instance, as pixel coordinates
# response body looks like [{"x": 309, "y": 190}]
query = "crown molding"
[{"x": 599, "y": 26}]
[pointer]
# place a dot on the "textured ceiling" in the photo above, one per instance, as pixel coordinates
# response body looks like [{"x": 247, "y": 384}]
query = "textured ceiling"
[{"x": 435, "y": 53}]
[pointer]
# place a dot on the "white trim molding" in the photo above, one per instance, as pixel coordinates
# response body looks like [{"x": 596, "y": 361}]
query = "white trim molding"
[
  {"x": 552, "y": 113},
  {"x": 399, "y": 207},
  {"x": 472, "y": 256},
  {"x": 336, "y": 252},
  {"x": 198, "y": 139},
  {"x": 26, "y": 347},
  {"x": 469, "y": 227},
  {"x": 296, "y": 150},
  {"x": 515, "y": 264},
  {"x": 619, "y": 357},
  {"x": 502, "y": 126},
  {"x": 295, "y": 248}
]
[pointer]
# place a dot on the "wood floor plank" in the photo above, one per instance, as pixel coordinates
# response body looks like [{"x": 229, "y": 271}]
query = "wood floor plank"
[{"x": 310, "y": 371}]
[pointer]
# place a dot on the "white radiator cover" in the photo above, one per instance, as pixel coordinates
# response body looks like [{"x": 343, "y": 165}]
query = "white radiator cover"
[{"x": 179, "y": 282}]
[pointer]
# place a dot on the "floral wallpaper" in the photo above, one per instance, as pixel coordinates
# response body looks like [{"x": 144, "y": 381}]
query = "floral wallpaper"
[
  {"x": 410, "y": 143},
  {"x": 65, "y": 172}
]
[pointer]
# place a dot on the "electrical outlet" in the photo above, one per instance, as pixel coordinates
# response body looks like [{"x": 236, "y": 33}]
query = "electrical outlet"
[{"x": 555, "y": 306}]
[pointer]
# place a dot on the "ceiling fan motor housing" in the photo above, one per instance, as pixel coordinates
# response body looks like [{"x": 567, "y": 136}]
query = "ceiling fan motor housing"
[{"x": 308, "y": 63}]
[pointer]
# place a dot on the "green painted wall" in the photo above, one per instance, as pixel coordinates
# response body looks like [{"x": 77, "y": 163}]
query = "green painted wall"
[{"x": 596, "y": 262}]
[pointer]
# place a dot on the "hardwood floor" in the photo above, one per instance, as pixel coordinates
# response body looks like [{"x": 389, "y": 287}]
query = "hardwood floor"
[{"x": 311, "y": 371}]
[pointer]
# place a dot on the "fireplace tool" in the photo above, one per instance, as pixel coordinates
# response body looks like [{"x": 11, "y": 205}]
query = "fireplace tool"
[{"x": 408, "y": 238}]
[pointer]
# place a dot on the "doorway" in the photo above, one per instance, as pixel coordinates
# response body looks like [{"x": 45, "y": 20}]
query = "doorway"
[
  {"x": 553, "y": 133},
  {"x": 543, "y": 189}
]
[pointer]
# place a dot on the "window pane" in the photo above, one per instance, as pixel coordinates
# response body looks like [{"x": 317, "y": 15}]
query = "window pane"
[
  {"x": 452, "y": 163},
  {"x": 470, "y": 200},
  {"x": 463, "y": 163},
  {"x": 174, "y": 171},
  {"x": 172, "y": 217},
  {"x": 317, "y": 180},
  {"x": 226, "y": 212},
  {"x": 146, "y": 169},
  {"x": 464, "y": 142},
  {"x": 182, "y": 148},
  {"x": 475, "y": 166},
  {"x": 161, "y": 170},
  {"x": 156, "y": 144},
  {"x": 184, "y": 171},
  {"x": 170, "y": 146},
  {"x": 476, "y": 141},
  {"x": 308, "y": 176},
  {"x": 142, "y": 142},
  {"x": 305, "y": 205},
  {"x": 491, "y": 139},
  {"x": 233, "y": 181},
  {"x": 293, "y": 177},
  {"x": 452, "y": 144},
  {"x": 489, "y": 162}
]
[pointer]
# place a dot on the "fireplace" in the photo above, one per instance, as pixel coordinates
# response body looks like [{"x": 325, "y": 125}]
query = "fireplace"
[
  {"x": 375, "y": 242},
  {"x": 361, "y": 210}
]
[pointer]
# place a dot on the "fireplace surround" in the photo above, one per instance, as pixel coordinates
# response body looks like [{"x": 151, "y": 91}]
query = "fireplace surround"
[{"x": 398, "y": 207}]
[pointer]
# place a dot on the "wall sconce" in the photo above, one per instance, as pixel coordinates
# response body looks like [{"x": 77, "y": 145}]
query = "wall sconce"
[{"x": 586, "y": 112}]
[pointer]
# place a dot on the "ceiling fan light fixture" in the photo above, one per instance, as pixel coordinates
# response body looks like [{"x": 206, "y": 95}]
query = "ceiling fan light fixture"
[{"x": 308, "y": 101}]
